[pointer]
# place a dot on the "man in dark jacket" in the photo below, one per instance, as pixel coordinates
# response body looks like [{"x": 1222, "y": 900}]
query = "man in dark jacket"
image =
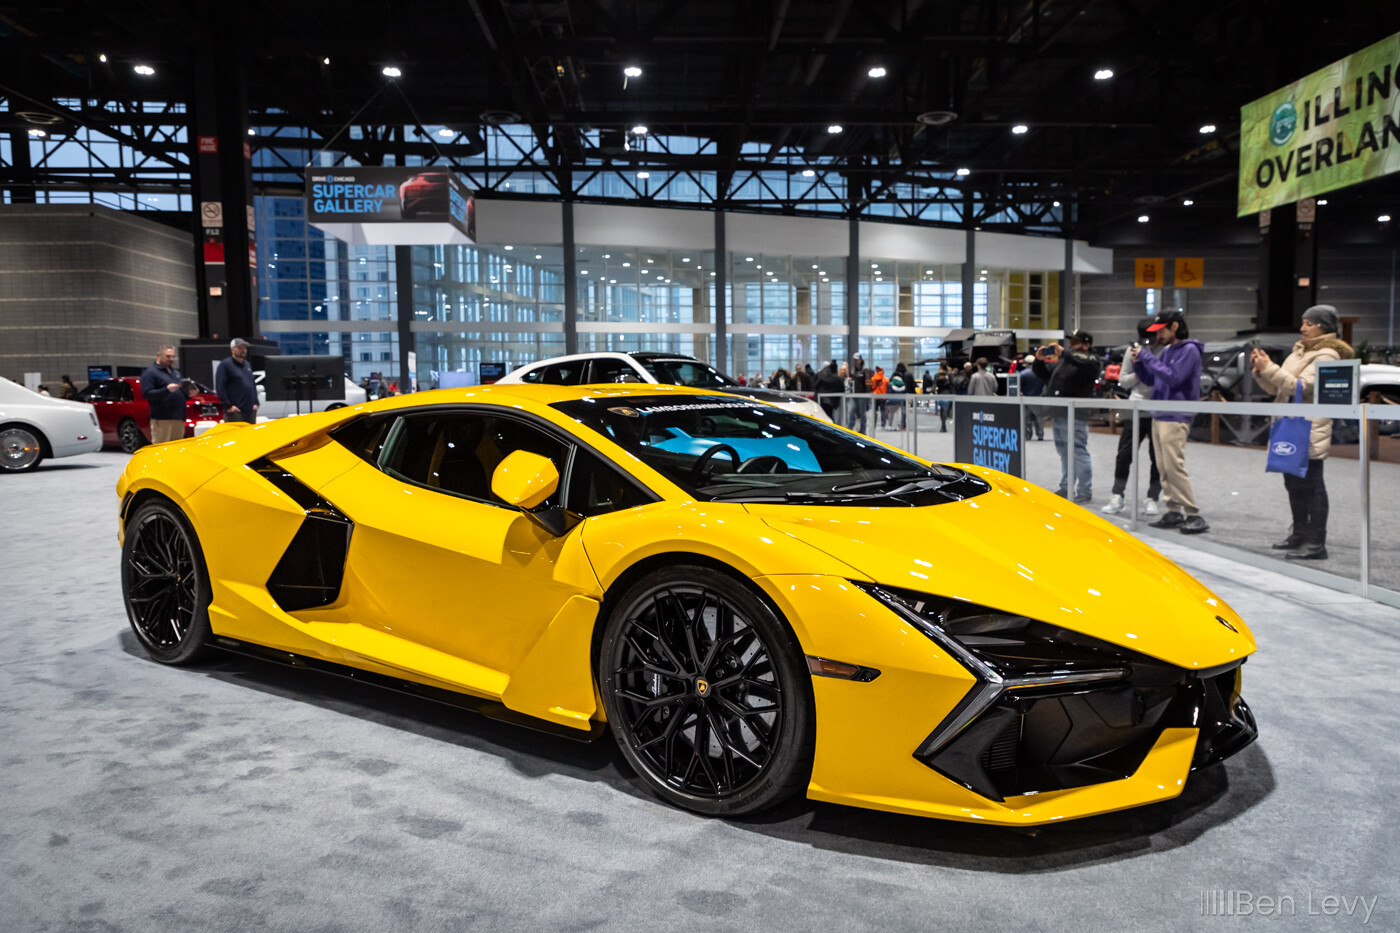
[
  {"x": 164, "y": 393},
  {"x": 860, "y": 385},
  {"x": 238, "y": 390},
  {"x": 829, "y": 386},
  {"x": 1174, "y": 373},
  {"x": 1071, "y": 374}
]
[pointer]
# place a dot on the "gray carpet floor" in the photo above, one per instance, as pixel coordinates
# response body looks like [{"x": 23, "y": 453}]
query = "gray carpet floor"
[{"x": 241, "y": 796}]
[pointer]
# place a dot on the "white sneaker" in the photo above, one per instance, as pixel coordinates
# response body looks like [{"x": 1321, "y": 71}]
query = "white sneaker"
[
  {"x": 1115, "y": 505},
  {"x": 1151, "y": 507}
]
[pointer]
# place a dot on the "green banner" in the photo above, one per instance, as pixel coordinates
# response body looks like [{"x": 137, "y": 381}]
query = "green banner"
[{"x": 1338, "y": 126}]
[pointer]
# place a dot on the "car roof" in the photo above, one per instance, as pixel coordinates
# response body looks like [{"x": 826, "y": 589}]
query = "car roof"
[{"x": 509, "y": 394}]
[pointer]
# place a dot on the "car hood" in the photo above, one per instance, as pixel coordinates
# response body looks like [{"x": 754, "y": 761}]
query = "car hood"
[{"x": 1023, "y": 550}]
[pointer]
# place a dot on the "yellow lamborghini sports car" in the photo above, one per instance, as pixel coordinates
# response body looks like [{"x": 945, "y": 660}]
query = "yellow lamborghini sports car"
[{"x": 757, "y": 603}]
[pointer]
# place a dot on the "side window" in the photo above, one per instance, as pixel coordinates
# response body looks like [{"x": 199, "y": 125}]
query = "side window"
[
  {"x": 364, "y": 437},
  {"x": 604, "y": 371},
  {"x": 596, "y": 488},
  {"x": 534, "y": 375},
  {"x": 457, "y": 452},
  {"x": 109, "y": 391},
  {"x": 124, "y": 392},
  {"x": 564, "y": 374}
]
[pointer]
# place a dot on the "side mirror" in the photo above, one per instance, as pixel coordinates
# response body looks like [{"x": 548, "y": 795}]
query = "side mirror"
[{"x": 525, "y": 479}]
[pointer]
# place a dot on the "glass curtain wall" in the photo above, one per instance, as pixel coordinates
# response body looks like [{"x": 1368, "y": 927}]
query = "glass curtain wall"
[
  {"x": 505, "y": 303},
  {"x": 636, "y": 298},
  {"x": 478, "y": 304}
]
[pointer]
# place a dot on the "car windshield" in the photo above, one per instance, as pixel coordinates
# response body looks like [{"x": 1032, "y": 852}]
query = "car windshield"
[
  {"x": 691, "y": 373},
  {"x": 718, "y": 447}
]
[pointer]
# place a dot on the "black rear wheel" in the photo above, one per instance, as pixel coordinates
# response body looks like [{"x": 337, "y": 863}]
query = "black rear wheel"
[
  {"x": 706, "y": 692},
  {"x": 130, "y": 436},
  {"x": 165, "y": 584}
]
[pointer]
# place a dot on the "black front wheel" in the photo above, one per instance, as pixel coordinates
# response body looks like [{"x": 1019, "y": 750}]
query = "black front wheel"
[
  {"x": 706, "y": 692},
  {"x": 165, "y": 584}
]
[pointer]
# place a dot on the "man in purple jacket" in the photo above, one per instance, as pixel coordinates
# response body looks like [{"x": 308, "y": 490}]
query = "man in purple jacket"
[{"x": 1174, "y": 374}]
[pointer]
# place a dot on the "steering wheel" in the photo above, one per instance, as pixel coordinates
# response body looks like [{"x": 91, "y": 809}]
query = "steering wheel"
[
  {"x": 698, "y": 471},
  {"x": 765, "y": 464}
]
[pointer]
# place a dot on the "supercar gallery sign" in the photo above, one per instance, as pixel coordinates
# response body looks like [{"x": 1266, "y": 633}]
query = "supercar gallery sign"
[
  {"x": 1335, "y": 127},
  {"x": 387, "y": 205}
]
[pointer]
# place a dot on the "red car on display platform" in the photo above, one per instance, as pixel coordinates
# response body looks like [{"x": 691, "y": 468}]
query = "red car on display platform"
[{"x": 125, "y": 417}]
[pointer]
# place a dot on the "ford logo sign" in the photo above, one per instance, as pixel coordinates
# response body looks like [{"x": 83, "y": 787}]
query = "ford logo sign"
[{"x": 1284, "y": 449}]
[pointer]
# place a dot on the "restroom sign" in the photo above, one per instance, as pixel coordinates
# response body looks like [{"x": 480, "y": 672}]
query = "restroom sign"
[{"x": 1148, "y": 272}]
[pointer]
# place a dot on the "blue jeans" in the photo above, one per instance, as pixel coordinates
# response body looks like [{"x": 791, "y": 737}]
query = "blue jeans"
[{"x": 1083, "y": 468}]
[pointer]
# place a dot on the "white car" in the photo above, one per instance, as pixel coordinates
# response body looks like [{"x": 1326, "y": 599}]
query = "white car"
[
  {"x": 656, "y": 368},
  {"x": 34, "y": 427},
  {"x": 354, "y": 395}
]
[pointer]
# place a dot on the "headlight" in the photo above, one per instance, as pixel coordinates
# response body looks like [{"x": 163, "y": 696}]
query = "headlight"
[{"x": 1005, "y": 649}]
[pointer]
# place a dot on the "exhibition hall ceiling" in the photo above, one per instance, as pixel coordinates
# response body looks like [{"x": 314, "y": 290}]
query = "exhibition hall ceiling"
[{"x": 1010, "y": 104}]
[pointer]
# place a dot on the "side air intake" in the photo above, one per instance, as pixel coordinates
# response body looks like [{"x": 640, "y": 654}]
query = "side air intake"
[{"x": 313, "y": 566}]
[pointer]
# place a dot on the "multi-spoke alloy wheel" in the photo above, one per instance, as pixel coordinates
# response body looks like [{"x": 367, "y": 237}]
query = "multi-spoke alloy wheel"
[
  {"x": 164, "y": 583},
  {"x": 20, "y": 449},
  {"x": 130, "y": 436},
  {"x": 705, "y": 693}
]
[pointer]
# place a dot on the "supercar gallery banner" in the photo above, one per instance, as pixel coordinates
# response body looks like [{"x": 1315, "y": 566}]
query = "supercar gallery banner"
[
  {"x": 1335, "y": 127},
  {"x": 391, "y": 205}
]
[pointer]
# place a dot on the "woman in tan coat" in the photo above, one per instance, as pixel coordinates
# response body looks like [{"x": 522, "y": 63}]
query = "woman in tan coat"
[{"x": 1307, "y": 495}]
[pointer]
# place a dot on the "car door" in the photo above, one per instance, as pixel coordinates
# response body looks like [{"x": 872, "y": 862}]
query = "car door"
[
  {"x": 442, "y": 566},
  {"x": 111, "y": 399}
]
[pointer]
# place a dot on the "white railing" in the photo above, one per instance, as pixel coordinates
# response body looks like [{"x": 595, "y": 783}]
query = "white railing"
[{"x": 911, "y": 416}]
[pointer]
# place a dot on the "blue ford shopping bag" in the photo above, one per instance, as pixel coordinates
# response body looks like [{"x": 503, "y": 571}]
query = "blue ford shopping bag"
[{"x": 1289, "y": 439}]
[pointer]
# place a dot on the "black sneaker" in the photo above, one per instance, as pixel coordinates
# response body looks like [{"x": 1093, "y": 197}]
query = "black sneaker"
[
  {"x": 1308, "y": 552},
  {"x": 1169, "y": 520},
  {"x": 1084, "y": 497},
  {"x": 1290, "y": 543},
  {"x": 1194, "y": 525}
]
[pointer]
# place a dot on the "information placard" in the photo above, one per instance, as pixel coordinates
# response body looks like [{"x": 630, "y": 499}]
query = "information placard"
[
  {"x": 1337, "y": 382},
  {"x": 987, "y": 435}
]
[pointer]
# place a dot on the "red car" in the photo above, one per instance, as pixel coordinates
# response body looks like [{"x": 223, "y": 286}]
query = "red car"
[
  {"x": 424, "y": 193},
  {"x": 125, "y": 418}
]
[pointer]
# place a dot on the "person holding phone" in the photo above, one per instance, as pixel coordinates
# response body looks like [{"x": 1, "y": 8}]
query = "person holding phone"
[{"x": 1307, "y": 495}]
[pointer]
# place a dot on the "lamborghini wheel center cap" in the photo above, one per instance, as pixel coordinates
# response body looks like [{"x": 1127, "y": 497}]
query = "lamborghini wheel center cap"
[{"x": 702, "y": 687}]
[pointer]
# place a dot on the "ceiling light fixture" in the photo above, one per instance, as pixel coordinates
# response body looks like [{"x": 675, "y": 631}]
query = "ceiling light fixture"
[
  {"x": 37, "y": 134},
  {"x": 876, "y": 72},
  {"x": 1187, "y": 202},
  {"x": 632, "y": 71},
  {"x": 391, "y": 72},
  {"x": 639, "y": 130},
  {"x": 252, "y": 132},
  {"x": 644, "y": 175},
  {"x": 445, "y": 133},
  {"x": 1020, "y": 129},
  {"x": 102, "y": 59},
  {"x": 1103, "y": 74},
  {"x": 1321, "y": 202},
  {"x": 1207, "y": 129},
  {"x": 835, "y": 128},
  {"x": 963, "y": 172},
  {"x": 146, "y": 70},
  {"x": 1143, "y": 218},
  {"x": 807, "y": 173},
  {"x": 325, "y": 61},
  {"x": 1384, "y": 218},
  {"x": 1054, "y": 203}
]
